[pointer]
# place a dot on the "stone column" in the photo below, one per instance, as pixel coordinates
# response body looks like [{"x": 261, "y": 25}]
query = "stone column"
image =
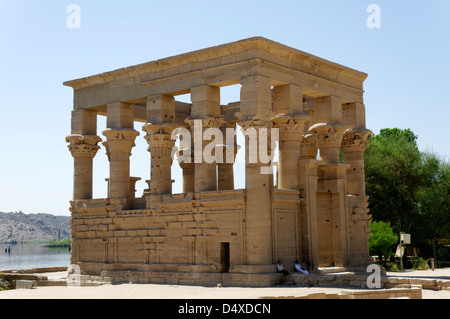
[
  {"x": 288, "y": 105},
  {"x": 332, "y": 216},
  {"x": 159, "y": 139},
  {"x": 120, "y": 137},
  {"x": 120, "y": 143},
  {"x": 290, "y": 136},
  {"x": 354, "y": 145},
  {"x": 159, "y": 128},
  {"x": 83, "y": 147},
  {"x": 329, "y": 139},
  {"x": 187, "y": 164},
  {"x": 225, "y": 177},
  {"x": 133, "y": 181},
  {"x": 225, "y": 171},
  {"x": 329, "y": 129},
  {"x": 205, "y": 113},
  {"x": 205, "y": 172},
  {"x": 188, "y": 177},
  {"x": 308, "y": 210},
  {"x": 308, "y": 147},
  {"x": 255, "y": 114}
]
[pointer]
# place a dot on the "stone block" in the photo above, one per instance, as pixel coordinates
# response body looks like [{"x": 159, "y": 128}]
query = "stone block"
[
  {"x": 26, "y": 284},
  {"x": 175, "y": 225},
  {"x": 120, "y": 115},
  {"x": 209, "y": 231},
  {"x": 187, "y": 225},
  {"x": 194, "y": 232},
  {"x": 185, "y": 218},
  {"x": 199, "y": 217},
  {"x": 443, "y": 284}
]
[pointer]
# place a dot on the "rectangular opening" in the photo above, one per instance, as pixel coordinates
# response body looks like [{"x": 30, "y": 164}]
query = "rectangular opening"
[{"x": 225, "y": 257}]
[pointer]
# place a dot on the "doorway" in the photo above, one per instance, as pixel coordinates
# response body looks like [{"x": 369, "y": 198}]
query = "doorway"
[{"x": 224, "y": 257}]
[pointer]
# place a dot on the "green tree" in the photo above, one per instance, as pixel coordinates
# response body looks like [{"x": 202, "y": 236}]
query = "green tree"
[
  {"x": 382, "y": 239},
  {"x": 396, "y": 133},
  {"x": 392, "y": 161},
  {"x": 408, "y": 188},
  {"x": 432, "y": 221}
]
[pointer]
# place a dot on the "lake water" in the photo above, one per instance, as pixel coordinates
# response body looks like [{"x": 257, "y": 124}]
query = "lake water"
[{"x": 32, "y": 255}]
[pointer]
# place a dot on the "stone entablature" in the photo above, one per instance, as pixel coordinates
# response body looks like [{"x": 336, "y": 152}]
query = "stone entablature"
[{"x": 316, "y": 211}]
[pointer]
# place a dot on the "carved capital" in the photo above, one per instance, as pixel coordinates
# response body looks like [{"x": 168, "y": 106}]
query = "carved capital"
[
  {"x": 291, "y": 128},
  {"x": 256, "y": 124},
  {"x": 328, "y": 135},
  {"x": 160, "y": 128},
  {"x": 83, "y": 146},
  {"x": 205, "y": 122},
  {"x": 356, "y": 140},
  {"x": 159, "y": 141},
  {"x": 119, "y": 141},
  {"x": 308, "y": 146}
]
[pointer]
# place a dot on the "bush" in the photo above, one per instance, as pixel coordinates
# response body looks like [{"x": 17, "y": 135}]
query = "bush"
[
  {"x": 4, "y": 284},
  {"x": 382, "y": 239},
  {"x": 419, "y": 263}
]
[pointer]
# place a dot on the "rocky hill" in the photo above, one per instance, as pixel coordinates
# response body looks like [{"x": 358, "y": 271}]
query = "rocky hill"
[{"x": 29, "y": 227}]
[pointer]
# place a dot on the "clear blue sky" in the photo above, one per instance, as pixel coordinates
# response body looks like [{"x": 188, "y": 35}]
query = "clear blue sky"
[{"x": 407, "y": 60}]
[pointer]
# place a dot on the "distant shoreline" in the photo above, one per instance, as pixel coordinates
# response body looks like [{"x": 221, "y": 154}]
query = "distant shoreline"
[
  {"x": 58, "y": 246},
  {"x": 46, "y": 243},
  {"x": 65, "y": 243}
]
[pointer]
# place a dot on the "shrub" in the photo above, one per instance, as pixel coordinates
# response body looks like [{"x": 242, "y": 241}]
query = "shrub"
[
  {"x": 382, "y": 239},
  {"x": 419, "y": 263},
  {"x": 4, "y": 284}
]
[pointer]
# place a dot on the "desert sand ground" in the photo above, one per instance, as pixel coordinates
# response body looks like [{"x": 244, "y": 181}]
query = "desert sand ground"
[{"x": 154, "y": 291}]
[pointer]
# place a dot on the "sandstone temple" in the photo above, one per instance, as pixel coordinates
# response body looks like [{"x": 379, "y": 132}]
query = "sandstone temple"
[{"x": 314, "y": 210}]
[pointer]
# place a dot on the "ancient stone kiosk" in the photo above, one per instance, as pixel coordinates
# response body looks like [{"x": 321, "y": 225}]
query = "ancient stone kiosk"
[{"x": 315, "y": 211}]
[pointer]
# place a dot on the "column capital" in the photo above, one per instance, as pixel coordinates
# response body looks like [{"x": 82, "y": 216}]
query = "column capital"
[
  {"x": 158, "y": 140},
  {"x": 158, "y": 128},
  {"x": 160, "y": 145},
  {"x": 83, "y": 146},
  {"x": 207, "y": 122},
  {"x": 255, "y": 123},
  {"x": 120, "y": 140},
  {"x": 308, "y": 146},
  {"x": 328, "y": 135},
  {"x": 159, "y": 136},
  {"x": 291, "y": 127},
  {"x": 356, "y": 140}
]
